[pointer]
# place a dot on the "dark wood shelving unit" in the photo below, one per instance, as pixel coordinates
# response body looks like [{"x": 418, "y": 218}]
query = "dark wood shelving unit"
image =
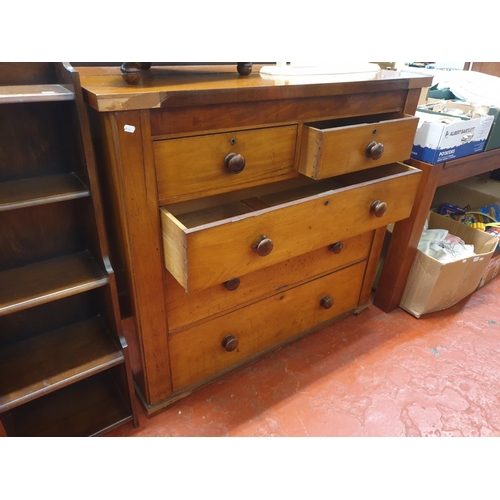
[{"x": 64, "y": 364}]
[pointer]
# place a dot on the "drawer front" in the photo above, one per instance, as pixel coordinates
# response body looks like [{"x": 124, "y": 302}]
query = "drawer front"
[
  {"x": 184, "y": 309},
  {"x": 208, "y": 254},
  {"x": 198, "y": 353},
  {"x": 327, "y": 152},
  {"x": 204, "y": 165}
]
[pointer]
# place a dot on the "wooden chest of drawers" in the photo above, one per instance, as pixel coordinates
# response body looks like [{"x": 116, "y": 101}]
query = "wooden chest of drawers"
[{"x": 245, "y": 212}]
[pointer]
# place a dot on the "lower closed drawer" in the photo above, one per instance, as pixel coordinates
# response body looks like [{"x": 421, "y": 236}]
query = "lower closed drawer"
[
  {"x": 184, "y": 309},
  {"x": 206, "y": 349}
]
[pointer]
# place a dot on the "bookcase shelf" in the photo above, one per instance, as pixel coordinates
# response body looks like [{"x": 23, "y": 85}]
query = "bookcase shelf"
[
  {"x": 56, "y": 359},
  {"x": 10, "y": 94},
  {"x": 45, "y": 281},
  {"x": 41, "y": 190}
]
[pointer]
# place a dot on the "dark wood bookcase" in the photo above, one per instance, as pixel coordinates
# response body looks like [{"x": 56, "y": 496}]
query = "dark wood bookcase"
[{"x": 64, "y": 363}]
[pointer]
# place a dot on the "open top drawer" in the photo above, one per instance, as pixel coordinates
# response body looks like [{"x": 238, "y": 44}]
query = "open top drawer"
[
  {"x": 204, "y": 246},
  {"x": 336, "y": 147}
]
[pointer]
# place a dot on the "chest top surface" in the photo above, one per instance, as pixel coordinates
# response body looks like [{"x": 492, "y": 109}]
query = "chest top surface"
[{"x": 170, "y": 87}]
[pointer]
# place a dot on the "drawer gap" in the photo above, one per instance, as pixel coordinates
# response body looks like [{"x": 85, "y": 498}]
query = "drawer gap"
[{"x": 356, "y": 120}]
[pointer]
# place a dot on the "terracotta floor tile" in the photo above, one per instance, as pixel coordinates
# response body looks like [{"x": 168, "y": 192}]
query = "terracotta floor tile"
[{"x": 375, "y": 374}]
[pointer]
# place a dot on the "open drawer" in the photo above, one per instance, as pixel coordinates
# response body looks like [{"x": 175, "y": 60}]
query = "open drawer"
[
  {"x": 336, "y": 147},
  {"x": 204, "y": 246}
]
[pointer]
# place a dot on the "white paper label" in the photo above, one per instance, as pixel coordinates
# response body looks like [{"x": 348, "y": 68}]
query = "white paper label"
[{"x": 129, "y": 128}]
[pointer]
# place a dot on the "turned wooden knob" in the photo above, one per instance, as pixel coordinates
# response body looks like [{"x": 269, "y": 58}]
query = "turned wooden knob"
[
  {"x": 234, "y": 163},
  {"x": 378, "y": 208},
  {"x": 230, "y": 343},
  {"x": 337, "y": 247},
  {"x": 232, "y": 284},
  {"x": 244, "y": 69},
  {"x": 375, "y": 150},
  {"x": 264, "y": 246},
  {"x": 326, "y": 302}
]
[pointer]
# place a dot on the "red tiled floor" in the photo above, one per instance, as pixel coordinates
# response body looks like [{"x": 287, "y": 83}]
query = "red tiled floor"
[{"x": 373, "y": 375}]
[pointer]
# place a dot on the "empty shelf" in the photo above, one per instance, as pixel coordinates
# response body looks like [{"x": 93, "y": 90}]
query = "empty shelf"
[
  {"x": 35, "y": 93},
  {"x": 86, "y": 408},
  {"x": 48, "y": 362},
  {"x": 42, "y": 282},
  {"x": 41, "y": 190}
]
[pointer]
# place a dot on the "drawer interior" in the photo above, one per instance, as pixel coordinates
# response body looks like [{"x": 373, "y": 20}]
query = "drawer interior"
[
  {"x": 354, "y": 121},
  {"x": 213, "y": 210}
]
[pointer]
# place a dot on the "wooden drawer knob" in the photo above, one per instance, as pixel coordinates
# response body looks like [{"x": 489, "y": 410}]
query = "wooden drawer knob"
[
  {"x": 375, "y": 150},
  {"x": 378, "y": 208},
  {"x": 232, "y": 284},
  {"x": 234, "y": 163},
  {"x": 230, "y": 343},
  {"x": 264, "y": 246},
  {"x": 337, "y": 247},
  {"x": 326, "y": 302}
]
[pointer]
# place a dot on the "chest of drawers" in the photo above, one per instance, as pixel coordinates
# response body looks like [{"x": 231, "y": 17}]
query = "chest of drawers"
[{"x": 245, "y": 212}]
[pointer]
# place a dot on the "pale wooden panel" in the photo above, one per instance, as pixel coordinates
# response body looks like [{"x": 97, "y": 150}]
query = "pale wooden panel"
[{"x": 197, "y": 353}]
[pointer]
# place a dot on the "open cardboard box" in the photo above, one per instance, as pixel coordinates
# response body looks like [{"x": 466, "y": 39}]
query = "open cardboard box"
[
  {"x": 442, "y": 136},
  {"x": 433, "y": 285},
  {"x": 476, "y": 192}
]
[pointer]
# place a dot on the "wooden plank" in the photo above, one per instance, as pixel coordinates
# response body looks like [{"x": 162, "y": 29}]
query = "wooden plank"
[
  {"x": 35, "y": 93},
  {"x": 133, "y": 163},
  {"x": 241, "y": 114},
  {"x": 41, "y": 190},
  {"x": 468, "y": 166},
  {"x": 45, "y": 363},
  {"x": 50, "y": 280},
  {"x": 87, "y": 408},
  {"x": 106, "y": 91}
]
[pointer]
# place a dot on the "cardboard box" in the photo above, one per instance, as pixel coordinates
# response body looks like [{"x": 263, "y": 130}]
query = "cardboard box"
[
  {"x": 442, "y": 137},
  {"x": 433, "y": 285},
  {"x": 477, "y": 192},
  {"x": 492, "y": 270}
]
